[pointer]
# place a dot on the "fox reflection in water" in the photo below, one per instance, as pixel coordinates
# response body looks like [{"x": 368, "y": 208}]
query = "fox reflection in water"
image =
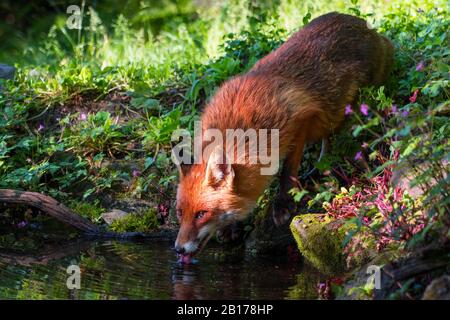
[{"x": 146, "y": 270}]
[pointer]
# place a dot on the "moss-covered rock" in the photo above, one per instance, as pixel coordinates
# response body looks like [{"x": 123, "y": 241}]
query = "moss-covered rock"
[
  {"x": 138, "y": 222},
  {"x": 321, "y": 241}
]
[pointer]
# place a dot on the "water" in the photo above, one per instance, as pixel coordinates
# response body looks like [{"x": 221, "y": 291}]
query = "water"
[{"x": 149, "y": 270}]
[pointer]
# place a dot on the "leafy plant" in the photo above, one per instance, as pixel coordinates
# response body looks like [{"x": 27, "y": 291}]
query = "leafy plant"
[{"x": 95, "y": 133}]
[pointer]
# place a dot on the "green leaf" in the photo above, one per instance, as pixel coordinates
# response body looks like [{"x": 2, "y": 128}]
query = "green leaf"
[
  {"x": 145, "y": 103},
  {"x": 306, "y": 18},
  {"x": 298, "y": 194},
  {"x": 148, "y": 162}
]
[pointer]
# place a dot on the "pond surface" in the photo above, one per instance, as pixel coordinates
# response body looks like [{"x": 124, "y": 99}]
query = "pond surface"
[{"x": 149, "y": 270}]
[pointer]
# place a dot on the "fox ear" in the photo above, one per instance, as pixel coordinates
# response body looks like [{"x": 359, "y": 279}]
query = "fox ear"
[
  {"x": 219, "y": 171},
  {"x": 183, "y": 169}
]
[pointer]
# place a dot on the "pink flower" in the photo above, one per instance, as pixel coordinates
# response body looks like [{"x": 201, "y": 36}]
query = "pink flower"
[
  {"x": 420, "y": 66},
  {"x": 136, "y": 173},
  {"x": 358, "y": 155},
  {"x": 365, "y": 145},
  {"x": 348, "y": 109},
  {"x": 83, "y": 116},
  {"x": 394, "y": 109},
  {"x": 364, "y": 108},
  {"x": 413, "y": 98},
  {"x": 163, "y": 209},
  {"x": 22, "y": 224},
  {"x": 41, "y": 127}
]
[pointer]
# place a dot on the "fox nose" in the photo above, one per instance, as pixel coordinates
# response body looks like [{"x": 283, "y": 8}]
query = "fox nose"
[{"x": 179, "y": 249}]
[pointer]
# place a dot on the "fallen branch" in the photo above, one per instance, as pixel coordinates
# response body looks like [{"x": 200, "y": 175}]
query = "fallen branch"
[
  {"x": 62, "y": 213},
  {"x": 49, "y": 206}
]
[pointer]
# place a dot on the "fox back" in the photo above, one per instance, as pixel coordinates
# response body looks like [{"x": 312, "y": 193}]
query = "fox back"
[{"x": 300, "y": 89}]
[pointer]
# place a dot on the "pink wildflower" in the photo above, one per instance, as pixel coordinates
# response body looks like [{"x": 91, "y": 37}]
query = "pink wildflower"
[
  {"x": 22, "y": 224},
  {"x": 420, "y": 66},
  {"x": 413, "y": 98},
  {"x": 394, "y": 109},
  {"x": 136, "y": 173},
  {"x": 348, "y": 109},
  {"x": 364, "y": 108}
]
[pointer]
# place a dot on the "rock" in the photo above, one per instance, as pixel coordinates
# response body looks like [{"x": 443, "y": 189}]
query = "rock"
[
  {"x": 360, "y": 283},
  {"x": 7, "y": 72},
  {"x": 403, "y": 176},
  {"x": 266, "y": 238},
  {"x": 438, "y": 289},
  {"x": 113, "y": 215},
  {"x": 320, "y": 241},
  {"x": 416, "y": 266}
]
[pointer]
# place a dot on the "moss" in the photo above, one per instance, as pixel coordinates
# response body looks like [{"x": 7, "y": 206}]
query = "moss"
[
  {"x": 321, "y": 242},
  {"x": 305, "y": 286},
  {"x": 139, "y": 222},
  {"x": 92, "y": 211}
]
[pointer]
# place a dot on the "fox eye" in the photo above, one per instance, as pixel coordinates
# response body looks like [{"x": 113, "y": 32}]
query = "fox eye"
[{"x": 200, "y": 214}]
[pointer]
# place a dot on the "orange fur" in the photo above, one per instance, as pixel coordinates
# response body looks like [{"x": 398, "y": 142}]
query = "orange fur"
[{"x": 301, "y": 89}]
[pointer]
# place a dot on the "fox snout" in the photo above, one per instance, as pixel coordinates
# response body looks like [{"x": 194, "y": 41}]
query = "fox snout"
[
  {"x": 187, "y": 248},
  {"x": 190, "y": 240}
]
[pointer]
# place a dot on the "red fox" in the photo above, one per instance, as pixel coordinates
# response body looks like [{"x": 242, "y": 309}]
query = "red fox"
[{"x": 301, "y": 89}]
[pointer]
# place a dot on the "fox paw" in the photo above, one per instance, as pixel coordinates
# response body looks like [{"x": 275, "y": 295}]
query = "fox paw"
[{"x": 282, "y": 208}]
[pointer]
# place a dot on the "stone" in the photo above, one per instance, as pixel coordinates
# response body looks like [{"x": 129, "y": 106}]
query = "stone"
[
  {"x": 360, "y": 283},
  {"x": 438, "y": 289},
  {"x": 403, "y": 176},
  {"x": 320, "y": 240},
  {"x": 113, "y": 215},
  {"x": 7, "y": 72},
  {"x": 266, "y": 238}
]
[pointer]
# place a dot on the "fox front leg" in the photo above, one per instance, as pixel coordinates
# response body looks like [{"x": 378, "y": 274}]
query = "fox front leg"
[{"x": 284, "y": 204}]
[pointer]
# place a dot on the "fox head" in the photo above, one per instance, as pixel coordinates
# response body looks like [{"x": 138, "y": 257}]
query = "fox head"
[{"x": 207, "y": 200}]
